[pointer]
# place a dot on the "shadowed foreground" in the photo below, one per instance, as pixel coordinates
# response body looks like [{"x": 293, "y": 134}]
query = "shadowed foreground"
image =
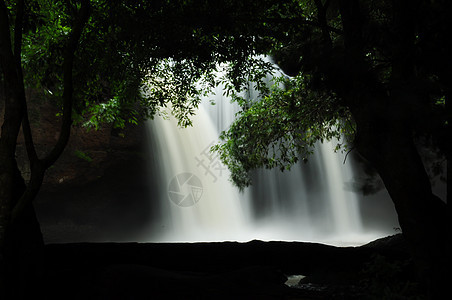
[{"x": 228, "y": 270}]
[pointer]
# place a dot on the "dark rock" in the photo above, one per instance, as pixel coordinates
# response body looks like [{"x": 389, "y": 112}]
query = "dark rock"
[
  {"x": 253, "y": 270},
  {"x": 98, "y": 189},
  {"x": 142, "y": 282},
  {"x": 394, "y": 243}
]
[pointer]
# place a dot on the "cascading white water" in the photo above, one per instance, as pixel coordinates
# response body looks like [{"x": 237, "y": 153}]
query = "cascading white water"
[
  {"x": 196, "y": 201},
  {"x": 216, "y": 211}
]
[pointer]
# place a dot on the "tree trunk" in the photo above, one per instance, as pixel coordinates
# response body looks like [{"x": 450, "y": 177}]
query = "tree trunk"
[
  {"x": 19, "y": 240},
  {"x": 388, "y": 145},
  {"x": 383, "y": 114},
  {"x": 23, "y": 243}
]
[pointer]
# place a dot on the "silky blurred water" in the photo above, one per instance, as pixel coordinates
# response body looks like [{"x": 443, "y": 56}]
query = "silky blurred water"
[{"x": 309, "y": 203}]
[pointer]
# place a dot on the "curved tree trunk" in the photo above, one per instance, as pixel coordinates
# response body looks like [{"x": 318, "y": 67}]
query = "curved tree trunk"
[
  {"x": 20, "y": 236},
  {"x": 23, "y": 244},
  {"x": 384, "y": 114},
  {"x": 388, "y": 145}
]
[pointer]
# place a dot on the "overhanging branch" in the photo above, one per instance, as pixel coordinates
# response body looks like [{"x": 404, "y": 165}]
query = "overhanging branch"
[
  {"x": 68, "y": 85},
  {"x": 39, "y": 166}
]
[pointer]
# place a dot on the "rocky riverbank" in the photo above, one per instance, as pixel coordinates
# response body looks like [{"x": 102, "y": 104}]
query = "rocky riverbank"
[{"x": 229, "y": 270}]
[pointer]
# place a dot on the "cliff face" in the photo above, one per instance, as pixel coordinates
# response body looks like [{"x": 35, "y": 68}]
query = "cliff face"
[
  {"x": 88, "y": 153},
  {"x": 98, "y": 189}
]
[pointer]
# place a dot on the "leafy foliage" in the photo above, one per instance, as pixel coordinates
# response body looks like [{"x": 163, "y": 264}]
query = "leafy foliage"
[
  {"x": 339, "y": 70},
  {"x": 82, "y": 155},
  {"x": 280, "y": 128},
  {"x": 134, "y": 56}
]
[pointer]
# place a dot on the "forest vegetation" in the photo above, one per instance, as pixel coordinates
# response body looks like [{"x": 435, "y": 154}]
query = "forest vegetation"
[{"x": 378, "y": 72}]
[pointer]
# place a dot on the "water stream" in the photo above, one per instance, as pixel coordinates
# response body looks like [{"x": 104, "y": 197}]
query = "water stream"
[{"x": 195, "y": 201}]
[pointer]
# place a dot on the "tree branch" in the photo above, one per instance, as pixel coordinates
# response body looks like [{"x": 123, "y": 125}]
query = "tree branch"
[
  {"x": 18, "y": 29},
  {"x": 13, "y": 110},
  {"x": 301, "y": 21},
  {"x": 403, "y": 57},
  {"x": 68, "y": 85},
  {"x": 327, "y": 4},
  {"x": 37, "y": 176},
  {"x": 39, "y": 166},
  {"x": 323, "y": 23},
  {"x": 28, "y": 137},
  {"x": 352, "y": 20}
]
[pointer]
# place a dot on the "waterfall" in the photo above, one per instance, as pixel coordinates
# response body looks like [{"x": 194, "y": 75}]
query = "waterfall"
[
  {"x": 188, "y": 169},
  {"x": 195, "y": 201}
]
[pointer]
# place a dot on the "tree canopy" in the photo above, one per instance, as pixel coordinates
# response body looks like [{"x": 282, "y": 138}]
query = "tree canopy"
[
  {"x": 378, "y": 70},
  {"x": 129, "y": 53},
  {"x": 116, "y": 62},
  {"x": 313, "y": 102}
]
